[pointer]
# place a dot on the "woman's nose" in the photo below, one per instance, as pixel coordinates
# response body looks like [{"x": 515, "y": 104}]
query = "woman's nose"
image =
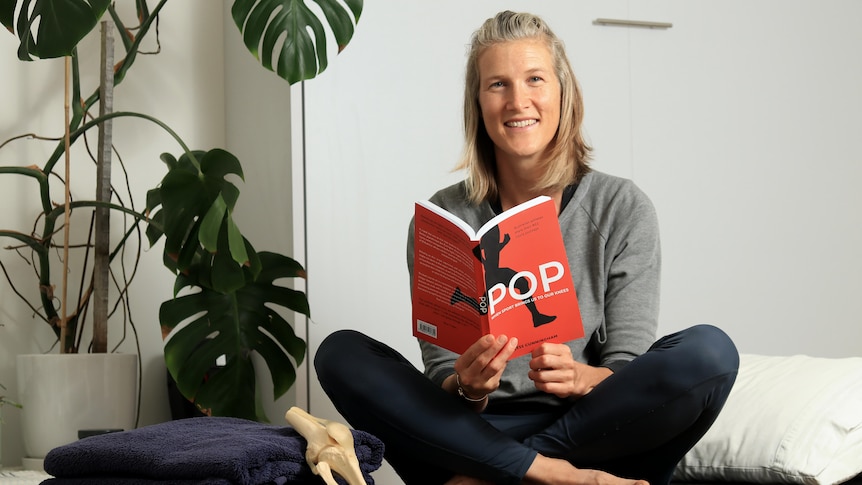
[{"x": 518, "y": 97}]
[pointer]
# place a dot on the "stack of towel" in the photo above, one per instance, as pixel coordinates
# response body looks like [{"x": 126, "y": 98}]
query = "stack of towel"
[{"x": 199, "y": 451}]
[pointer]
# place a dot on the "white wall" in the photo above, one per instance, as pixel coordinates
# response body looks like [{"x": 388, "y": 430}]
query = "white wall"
[
  {"x": 184, "y": 87},
  {"x": 741, "y": 122}
]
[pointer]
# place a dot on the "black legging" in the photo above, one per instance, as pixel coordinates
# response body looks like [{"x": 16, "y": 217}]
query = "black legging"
[{"x": 638, "y": 423}]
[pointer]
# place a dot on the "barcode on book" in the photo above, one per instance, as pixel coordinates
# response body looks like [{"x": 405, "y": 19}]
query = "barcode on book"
[{"x": 426, "y": 328}]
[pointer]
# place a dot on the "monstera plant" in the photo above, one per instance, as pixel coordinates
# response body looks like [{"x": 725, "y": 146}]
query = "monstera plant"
[
  {"x": 226, "y": 294},
  {"x": 231, "y": 289}
]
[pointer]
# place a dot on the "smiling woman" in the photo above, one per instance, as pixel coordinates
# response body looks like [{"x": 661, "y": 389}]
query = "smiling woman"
[{"x": 616, "y": 407}]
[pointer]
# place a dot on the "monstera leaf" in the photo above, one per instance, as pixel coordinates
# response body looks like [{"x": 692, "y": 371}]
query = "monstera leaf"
[
  {"x": 233, "y": 326},
  {"x": 275, "y": 31},
  {"x": 59, "y": 24},
  {"x": 194, "y": 207}
]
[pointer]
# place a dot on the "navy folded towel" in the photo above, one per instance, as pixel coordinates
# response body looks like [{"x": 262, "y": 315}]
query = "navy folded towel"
[{"x": 200, "y": 451}]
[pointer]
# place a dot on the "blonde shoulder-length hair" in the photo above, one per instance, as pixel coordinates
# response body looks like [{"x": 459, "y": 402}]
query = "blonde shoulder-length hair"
[{"x": 570, "y": 155}]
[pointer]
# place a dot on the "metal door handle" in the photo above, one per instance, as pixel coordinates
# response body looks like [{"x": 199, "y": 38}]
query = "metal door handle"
[{"x": 634, "y": 23}]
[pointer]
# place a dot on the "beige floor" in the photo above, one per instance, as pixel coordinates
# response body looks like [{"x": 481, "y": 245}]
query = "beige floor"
[{"x": 17, "y": 476}]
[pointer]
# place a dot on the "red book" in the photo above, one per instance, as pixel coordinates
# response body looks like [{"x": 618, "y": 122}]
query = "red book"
[{"x": 510, "y": 277}]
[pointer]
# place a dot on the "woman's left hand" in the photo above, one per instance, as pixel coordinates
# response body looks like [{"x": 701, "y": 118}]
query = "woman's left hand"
[{"x": 555, "y": 371}]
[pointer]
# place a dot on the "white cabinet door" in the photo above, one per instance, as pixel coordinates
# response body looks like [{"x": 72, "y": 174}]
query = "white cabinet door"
[{"x": 746, "y": 120}]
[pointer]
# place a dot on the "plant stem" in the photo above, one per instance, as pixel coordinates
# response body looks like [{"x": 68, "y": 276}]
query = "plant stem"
[{"x": 67, "y": 211}]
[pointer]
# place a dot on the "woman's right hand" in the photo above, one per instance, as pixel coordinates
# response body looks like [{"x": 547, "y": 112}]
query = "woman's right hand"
[{"x": 480, "y": 367}]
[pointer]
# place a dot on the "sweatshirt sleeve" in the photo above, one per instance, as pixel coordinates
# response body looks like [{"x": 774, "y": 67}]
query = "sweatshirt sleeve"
[{"x": 633, "y": 265}]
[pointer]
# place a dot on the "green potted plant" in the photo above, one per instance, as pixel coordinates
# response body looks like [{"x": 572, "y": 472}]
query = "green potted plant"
[{"x": 229, "y": 291}]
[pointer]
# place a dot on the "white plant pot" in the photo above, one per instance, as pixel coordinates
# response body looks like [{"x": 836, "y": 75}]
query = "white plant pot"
[{"x": 65, "y": 393}]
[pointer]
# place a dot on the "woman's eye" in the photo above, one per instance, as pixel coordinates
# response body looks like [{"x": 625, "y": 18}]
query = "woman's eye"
[
  {"x": 535, "y": 79},
  {"x": 497, "y": 84}
]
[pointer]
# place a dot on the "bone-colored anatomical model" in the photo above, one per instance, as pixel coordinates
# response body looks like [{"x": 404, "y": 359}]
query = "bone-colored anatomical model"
[{"x": 330, "y": 447}]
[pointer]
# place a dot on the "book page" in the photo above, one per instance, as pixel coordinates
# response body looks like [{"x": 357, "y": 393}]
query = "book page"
[
  {"x": 465, "y": 228},
  {"x": 524, "y": 206}
]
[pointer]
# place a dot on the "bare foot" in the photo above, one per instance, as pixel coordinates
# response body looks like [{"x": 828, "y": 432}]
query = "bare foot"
[
  {"x": 553, "y": 471},
  {"x": 464, "y": 480}
]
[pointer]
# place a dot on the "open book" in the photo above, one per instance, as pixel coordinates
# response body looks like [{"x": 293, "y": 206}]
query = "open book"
[{"x": 510, "y": 277}]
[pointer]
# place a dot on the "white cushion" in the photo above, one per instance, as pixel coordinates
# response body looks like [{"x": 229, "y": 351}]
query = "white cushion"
[{"x": 795, "y": 419}]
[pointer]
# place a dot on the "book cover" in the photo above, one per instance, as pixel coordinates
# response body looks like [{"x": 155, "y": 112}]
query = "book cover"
[{"x": 510, "y": 277}]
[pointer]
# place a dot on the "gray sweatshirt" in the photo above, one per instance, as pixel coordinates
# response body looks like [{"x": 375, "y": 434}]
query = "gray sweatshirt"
[{"x": 611, "y": 236}]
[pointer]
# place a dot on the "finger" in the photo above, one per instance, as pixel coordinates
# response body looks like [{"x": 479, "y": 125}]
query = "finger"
[
  {"x": 509, "y": 347},
  {"x": 544, "y": 352},
  {"x": 548, "y": 348},
  {"x": 493, "y": 371},
  {"x": 474, "y": 362},
  {"x": 497, "y": 362},
  {"x": 478, "y": 348},
  {"x": 491, "y": 352},
  {"x": 542, "y": 361},
  {"x": 551, "y": 375},
  {"x": 535, "y": 375}
]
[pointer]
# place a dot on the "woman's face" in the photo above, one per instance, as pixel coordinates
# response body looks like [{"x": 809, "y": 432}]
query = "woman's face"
[{"x": 519, "y": 95}]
